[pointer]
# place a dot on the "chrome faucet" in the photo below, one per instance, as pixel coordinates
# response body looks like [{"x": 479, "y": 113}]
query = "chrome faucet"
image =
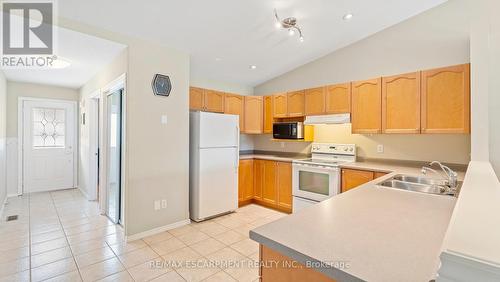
[{"x": 451, "y": 175}]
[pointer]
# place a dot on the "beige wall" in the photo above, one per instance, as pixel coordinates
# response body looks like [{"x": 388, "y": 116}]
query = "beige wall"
[
  {"x": 157, "y": 155},
  {"x": 3, "y": 139},
  {"x": 438, "y": 37},
  {"x": 22, "y": 89}
]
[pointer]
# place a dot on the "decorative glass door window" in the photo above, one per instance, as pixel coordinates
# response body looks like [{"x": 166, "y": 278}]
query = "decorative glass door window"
[{"x": 49, "y": 126}]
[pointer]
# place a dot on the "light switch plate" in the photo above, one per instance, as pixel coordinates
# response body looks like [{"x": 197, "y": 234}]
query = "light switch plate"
[
  {"x": 157, "y": 205},
  {"x": 380, "y": 148},
  {"x": 164, "y": 119},
  {"x": 164, "y": 204}
]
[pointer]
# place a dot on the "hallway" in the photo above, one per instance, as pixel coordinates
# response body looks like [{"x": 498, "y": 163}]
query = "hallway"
[{"x": 60, "y": 236}]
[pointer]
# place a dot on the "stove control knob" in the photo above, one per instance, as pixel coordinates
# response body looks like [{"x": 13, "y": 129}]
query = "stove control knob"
[{"x": 352, "y": 149}]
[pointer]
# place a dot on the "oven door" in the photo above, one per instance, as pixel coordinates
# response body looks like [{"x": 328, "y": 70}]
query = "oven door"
[{"x": 316, "y": 183}]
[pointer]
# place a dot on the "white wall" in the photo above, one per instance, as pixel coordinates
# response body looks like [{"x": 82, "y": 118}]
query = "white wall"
[
  {"x": 109, "y": 73},
  {"x": 3, "y": 139},
  {"x": 485, "y": 71},
  {"x": 22, "y": 89},
  {"x": 436, "y": 38},
  {"x": 157, "y": 155},
  {"x": 221, "y": 86},
  {"x": 494, "y": 86}
]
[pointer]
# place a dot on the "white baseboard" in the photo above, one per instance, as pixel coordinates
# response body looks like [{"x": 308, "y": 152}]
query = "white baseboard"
[
  {"x": 157, "y": 230},
  {"x": 84, "y": 193}
]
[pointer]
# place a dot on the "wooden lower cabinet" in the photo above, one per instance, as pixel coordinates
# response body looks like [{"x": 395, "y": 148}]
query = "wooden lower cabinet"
[
  {"x": 276, "y": 267},
  {"x": 378, "y": 174},
  {"x": 269, "y": 192},
  {"x": 245, "y": 182},
  {"x": 284, "y": 186},
  {"x": 352, "y": 178},
  {"x": 271, "y": 183},
  {"x": 258, "y": 179}
]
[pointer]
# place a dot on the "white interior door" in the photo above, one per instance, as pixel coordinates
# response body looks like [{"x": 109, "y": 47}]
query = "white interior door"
[{"x": 49, "y": 144}]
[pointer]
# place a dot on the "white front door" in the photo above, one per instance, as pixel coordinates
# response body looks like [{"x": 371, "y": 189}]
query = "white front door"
[{"x": 49, "y": 144}]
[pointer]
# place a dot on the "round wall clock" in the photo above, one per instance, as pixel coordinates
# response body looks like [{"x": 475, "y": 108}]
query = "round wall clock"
[{"x": 161, "y": 85}]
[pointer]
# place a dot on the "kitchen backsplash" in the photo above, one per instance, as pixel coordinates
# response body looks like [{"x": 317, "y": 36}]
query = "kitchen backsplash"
[{"x": 450, "y": 148}]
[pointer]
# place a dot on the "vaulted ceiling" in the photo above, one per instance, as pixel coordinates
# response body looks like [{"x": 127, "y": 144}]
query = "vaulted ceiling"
[{"x": 225, "y": 37}]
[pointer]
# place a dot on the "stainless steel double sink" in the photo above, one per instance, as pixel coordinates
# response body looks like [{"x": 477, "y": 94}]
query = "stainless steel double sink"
[{"x": 420, "y": 184}]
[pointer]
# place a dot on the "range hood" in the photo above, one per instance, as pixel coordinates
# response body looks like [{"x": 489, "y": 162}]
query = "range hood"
[{"x": 328, "y": 119}]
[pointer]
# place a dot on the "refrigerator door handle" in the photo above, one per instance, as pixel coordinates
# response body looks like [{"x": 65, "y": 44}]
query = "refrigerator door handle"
[{"x": 236, "y": 161}]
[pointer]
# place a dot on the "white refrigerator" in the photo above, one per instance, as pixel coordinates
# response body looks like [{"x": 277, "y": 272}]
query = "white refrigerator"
[{"x": 213, "y": 164}]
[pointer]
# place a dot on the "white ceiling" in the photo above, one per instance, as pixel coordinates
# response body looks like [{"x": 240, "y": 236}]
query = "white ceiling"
[
  {"x": 243, "y": 32},
  {"x": 87, "y": 55}
]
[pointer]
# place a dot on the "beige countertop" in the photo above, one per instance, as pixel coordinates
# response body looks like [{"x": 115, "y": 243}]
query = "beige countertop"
[
  {"x": 273, "y": 156},
  {"x": 405, "y": 167},
  {"x": 388, "y": 166},
  {"x": 381, "y": 234}
]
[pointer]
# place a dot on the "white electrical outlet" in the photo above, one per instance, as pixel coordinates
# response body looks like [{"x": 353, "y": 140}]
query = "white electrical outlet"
[
  {"x": 282, "y": 144},
  {"x": 380, "y": 148},
  {"x": 163, "y": 204},
  {"x": 157, "y": 205}
]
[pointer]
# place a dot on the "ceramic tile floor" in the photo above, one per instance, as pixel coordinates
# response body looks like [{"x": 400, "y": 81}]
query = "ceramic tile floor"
[{"x": 60, "y": 236}]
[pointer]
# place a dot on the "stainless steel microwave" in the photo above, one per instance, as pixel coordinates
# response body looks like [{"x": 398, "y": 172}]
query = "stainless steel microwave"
[{"x": 288, "y": 130}]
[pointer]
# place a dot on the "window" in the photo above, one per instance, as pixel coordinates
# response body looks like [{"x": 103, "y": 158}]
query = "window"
[{"x": 49, "y": 128}]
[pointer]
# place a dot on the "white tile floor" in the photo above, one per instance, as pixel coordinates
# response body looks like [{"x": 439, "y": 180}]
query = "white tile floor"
[{"x": 60, "y": 236}]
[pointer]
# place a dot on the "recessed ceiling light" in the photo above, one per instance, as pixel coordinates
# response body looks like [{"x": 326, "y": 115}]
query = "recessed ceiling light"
[
  {"x": 252, "y": 67},
  {"x": 347, "y": 17},
  {"x": 218, "y": 59}
]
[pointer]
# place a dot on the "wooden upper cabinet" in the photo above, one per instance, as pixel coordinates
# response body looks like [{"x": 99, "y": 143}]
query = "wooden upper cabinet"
[
  {"x": 446, "y": 100},
  {"x": 253, "y": 114},
  {"x": 196, "y": 98},
  {"x": 268, "y": 114},
  {"x": 315, "y": 101},
  {"x": 269, "y": 192},
  {"x": 366, "y": 106},
  {"x": 214, "y": 101},
  {"x": 401, "y": 103},
  {"x": 338, "y": 98},
  {"x": 296, "y": 103},
  {"x": 284, "y": 185},
  {"x": 235, "y": 105},
  {"x": 280, "y": 105},
  {"x": 352, "y": 178}
]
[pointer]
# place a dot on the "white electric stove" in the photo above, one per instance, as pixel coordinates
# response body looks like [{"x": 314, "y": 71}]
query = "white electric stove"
[{"x": 318, "y": 178}]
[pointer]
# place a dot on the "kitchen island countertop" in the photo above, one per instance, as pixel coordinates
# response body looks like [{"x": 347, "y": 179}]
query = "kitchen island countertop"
[{"x": 369, "y": 233}]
